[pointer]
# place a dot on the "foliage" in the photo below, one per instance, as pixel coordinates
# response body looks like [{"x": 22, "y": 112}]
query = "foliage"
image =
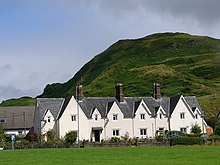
[
  {"x": 115, "y": 139},
  {"x": 196, "y": 129},
  {"x": 125, "y": 137},
  {"x": 186, "y": 141},
  {"x": 217, "y": 130},
  {"x": 161, "y": 138},
  {"x": 50, "y": 135},
  {"x": 23, "y": 101},
  {"x": 71, "y": 137}
]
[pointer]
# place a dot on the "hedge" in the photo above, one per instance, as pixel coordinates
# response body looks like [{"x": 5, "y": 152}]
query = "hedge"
[{"x": 186, "y": 141}]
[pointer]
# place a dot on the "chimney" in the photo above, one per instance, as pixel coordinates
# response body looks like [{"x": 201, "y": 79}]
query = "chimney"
[
  {"x": 157, "y": 94},
  {"x": 79, "y": 92},
  {"x": 119, "y": 94}
]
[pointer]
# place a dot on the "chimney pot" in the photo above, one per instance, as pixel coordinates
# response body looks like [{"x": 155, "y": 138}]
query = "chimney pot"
[{"x": 157, "y": 94}]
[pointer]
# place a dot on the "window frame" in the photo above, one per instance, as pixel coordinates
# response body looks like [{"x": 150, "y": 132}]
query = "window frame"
[
  {"x": 115, "y": 117},
  {"x": 142, "y": 116},
  {"x": 143, "y": 132},
  {"x": 115, "y": 132},
  {"x": 183, "y": 129},
  {"x": 182, "y": 115},
  {"x": 73, "y": 118}
]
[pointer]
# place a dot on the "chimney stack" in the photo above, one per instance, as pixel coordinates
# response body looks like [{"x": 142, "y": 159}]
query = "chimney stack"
[
  {"x": 157, "y": 94},
  {"x": 119, "y": 94},
  {"x": 79, "y": 92}
]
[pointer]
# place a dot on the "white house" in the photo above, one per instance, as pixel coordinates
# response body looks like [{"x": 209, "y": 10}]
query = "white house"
[{"x": 102, "y": 118}]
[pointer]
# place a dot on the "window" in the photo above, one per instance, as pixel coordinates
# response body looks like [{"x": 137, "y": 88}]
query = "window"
[
  {"x": 2, "y": 120},
  {"x": 96, "y": 117},
  {"x": 115, "y": 117},
  {"x": 196, "y": 116},
  {"x": 143, "y": 131},
  {"x": 142, "y": 116},
  {"x": 73, "y": 118},
  {"x": 115, "y": 132},
  {"x": 161, "y": 131},
  {"x": 48, "y": 119},
  {"x": 19, "y": 132},
  {"x": 183, "y": 130},
  {"x": 182, "y": 115},
  {"x": 160, "y": 116}
]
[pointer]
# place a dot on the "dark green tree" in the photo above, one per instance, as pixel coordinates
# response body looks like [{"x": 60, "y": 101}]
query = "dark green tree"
[
  {"x": 217, "y": 130},
  {"x": 71, "y": 137},
  {"x": 196, "y": 129}
]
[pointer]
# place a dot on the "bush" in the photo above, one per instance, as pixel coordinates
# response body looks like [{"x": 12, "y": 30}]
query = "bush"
[
  {"x": 71, "y": 137},
  {"x": 186, "y": 141},
  {"x": 160, "y": 138},
  {"x": 217, "y": 130},
  {"x": 115, "y": 140},
  {"x": 196, "y": 129}
]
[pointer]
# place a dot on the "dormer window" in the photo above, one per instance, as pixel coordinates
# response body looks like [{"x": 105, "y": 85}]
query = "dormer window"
[
  {"x": 196, "y": 116},
  {"x": 182, "y": 115},
  {"x": 142, "y": 116},
  {"x": 160, "y": 115},
  {"x": 73, "y": 118},
  {"x": 48, "y": 119},
  {"x": 96, "y": 117},
  {"x": 114, "y": 117}
]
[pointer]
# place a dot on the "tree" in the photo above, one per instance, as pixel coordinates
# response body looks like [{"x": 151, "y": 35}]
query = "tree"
[
  {"x": 196, "y": 129},
  {"x": 70, "y": 137},
  {"x": 217, "y": 130},
  {"x": 51, "y": 135}
]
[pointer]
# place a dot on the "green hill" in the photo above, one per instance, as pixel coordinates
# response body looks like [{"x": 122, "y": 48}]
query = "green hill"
[
  {"x": 181, "y": 63},
  {"x": 23, "y": 101}
]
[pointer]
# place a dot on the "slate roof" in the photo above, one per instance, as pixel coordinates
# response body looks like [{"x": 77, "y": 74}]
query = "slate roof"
[
  {"x": 17, "y": 117},
  {"x": 103, "y": 105},
  {"x": 52, "y": 104}
]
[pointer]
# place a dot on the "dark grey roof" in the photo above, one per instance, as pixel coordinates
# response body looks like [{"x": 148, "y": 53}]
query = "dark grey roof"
[
  {"x": 173, "y": 102},
  {"x": 193, "y": 103},
  {"x": 52, "y": 104},
  {"x": 103, "y": 105},
  {"x": 64, "y": 105},
  {"x": 17, "y": 117}
]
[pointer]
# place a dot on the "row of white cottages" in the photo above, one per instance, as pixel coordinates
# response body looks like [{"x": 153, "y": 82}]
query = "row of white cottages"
[{"x": 99, "y": 119}]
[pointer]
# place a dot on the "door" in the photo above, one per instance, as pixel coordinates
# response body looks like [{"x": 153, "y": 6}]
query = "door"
[{"x": 97, "y": 136}]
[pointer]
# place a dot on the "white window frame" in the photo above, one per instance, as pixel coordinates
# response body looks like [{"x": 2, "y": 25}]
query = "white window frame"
[
  {"x": 115, "y": 132},
  {"x": 183, "y": 129},
  {"x": 182, "y": 115},
  {"x": 48, "y": 119},
  {"x": 115, "y": 117},
  {"x": 96, "y": 117},
  {"x": 160, "y": 115},
  {"x": 73, "y": 118},
  {"x": 143, "y": 131},
  {"x": 142, "y": 116},
  {"x": 196, "y": 116}
]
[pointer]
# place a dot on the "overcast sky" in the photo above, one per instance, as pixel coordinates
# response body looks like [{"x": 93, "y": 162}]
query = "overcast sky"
[{"x": 48, "y": 41}]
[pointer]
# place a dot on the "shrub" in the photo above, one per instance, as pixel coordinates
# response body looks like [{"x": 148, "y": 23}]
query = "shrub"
[
  {"x": 186, "y": 141},
  {"x": 160, "y": 138},
  {"x": 71, "y": 137},
  {"x": 217, "y": 130},
  {"x": 115, "y": 139},
  {"x": 196, "y": 129},
  {"x": 133, "y": 142},
  {"x": 50, "y": 135}
]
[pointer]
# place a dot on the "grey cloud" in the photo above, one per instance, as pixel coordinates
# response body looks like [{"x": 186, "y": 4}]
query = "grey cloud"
[
  {"x": 5, "y": 68},
  {"x": 6, "y": 92},
  {"x": 205, "y": 11}
]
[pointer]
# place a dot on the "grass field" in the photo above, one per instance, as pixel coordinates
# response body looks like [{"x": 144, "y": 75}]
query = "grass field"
[{"x": 191, "y": 155}]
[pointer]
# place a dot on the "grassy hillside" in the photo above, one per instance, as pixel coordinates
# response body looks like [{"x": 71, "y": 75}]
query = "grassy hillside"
[
  {"x": 23, "y": 101},
  {"x": 181, "y": 63}
]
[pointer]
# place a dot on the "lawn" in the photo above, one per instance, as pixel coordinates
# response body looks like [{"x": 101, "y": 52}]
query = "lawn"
[{"x": 198, "y": 155}]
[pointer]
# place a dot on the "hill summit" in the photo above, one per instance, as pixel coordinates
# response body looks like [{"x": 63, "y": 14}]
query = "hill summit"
[{"x": 181, "y": 63}]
